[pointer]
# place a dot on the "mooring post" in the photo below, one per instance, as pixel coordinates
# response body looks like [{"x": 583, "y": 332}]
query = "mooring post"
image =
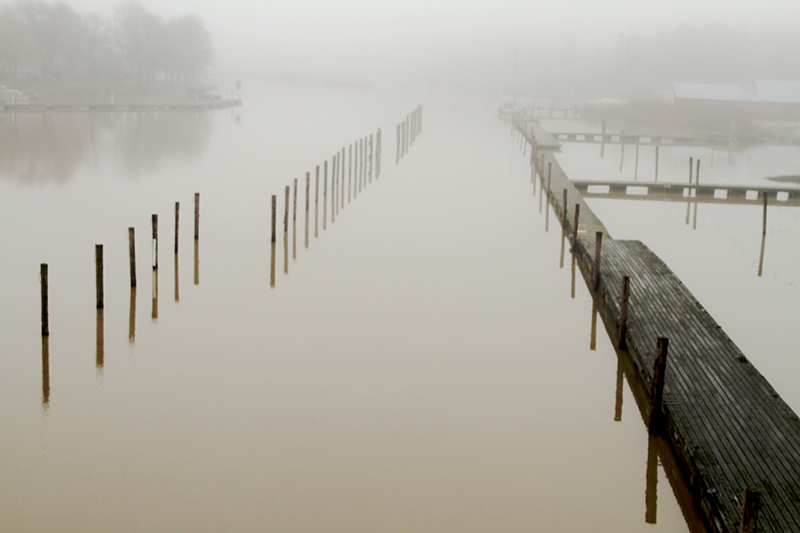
[
  {"x": 547, "y": 207},
  {"x": 696, "y": 193},
  {"x": 751, "y": 500},
  {"x": 603, "y": 138},
  {"x": 316, "y": 204},
  {"x": 132, "y": 256},
  {"x": 575, "y": 227},
  {"x": 155, "y": 242},
  {"x": 763, "y": 235},
  {"x": 274, "y": 210},
  {"x": 598, "y": 241},
  {"x": 334, "y": 199},
  {"x": 308, "y": 191},
  {"x": 177, "y": 210},
  {"x": 98, "y": 274},
  {"x": 689, "y": 195},
  {"x": 196, "y": 216},
  {"x": 45, "y": 311},
  {"x": 286, "y": 214},
  {"x": 325, "y": 198},
  {"x": 272, "y": 243},
  {"x": 656, "y": 178},
  {"x": 657, "y": 391},
  {"x": 564, "y": 210},
  {"x": 623, "y": 313},
  {"x": 371, "y": 157}
]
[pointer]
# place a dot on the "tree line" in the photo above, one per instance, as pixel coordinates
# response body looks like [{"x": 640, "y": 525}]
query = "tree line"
[{"x": 51, "y": 41}]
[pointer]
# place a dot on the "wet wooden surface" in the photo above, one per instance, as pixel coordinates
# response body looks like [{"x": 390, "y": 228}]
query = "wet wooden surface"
[{"x": 728, "y": 427}]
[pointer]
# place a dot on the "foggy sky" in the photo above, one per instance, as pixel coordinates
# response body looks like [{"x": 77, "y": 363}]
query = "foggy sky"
[{"x": 465, "y": 39}]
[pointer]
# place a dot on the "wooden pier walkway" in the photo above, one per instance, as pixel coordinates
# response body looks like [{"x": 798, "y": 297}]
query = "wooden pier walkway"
[
  {"x": 644, "y": 140},
  {"x": 728, "y": 429}
]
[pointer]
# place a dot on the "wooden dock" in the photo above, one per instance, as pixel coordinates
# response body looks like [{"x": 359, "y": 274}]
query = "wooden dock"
[
  {"x": 644, "y": 140},
  {"x": 727, "y": 428},
  {"x": 202, "y": 105}
]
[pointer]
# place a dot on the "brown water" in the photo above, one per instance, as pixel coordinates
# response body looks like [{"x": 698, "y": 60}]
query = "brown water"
[{"x": 421, "y": 367}]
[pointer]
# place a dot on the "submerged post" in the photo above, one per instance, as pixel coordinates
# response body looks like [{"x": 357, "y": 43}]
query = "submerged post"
[
  {"x": 45, "y": 303},
  {"x": 196, "y": 216},
  {"x": 598, "y": 241},
  {"x": 177, "y": 210},
  {"x": 623, "y": 313},
  {"x": 132, "y": 256},
  {"x": 98, "y": 274},
  {"x": 657, "y": 391},
  {"x": 274, "y": 209}
]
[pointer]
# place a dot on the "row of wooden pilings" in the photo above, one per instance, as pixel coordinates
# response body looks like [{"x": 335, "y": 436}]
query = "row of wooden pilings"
[
  {"x": 99, "y": 268},
  {"x": 655, "y": 423},
  {"x": 407, "y": 132}
]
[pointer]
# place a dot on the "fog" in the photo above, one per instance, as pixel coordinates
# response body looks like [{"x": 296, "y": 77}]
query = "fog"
[{"x": 617, "y": 48}]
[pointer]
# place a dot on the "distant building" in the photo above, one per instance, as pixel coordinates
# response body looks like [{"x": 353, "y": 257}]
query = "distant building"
[{"x": 762, "y": 100}]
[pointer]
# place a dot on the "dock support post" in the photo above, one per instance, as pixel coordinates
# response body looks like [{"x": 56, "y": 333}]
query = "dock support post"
[
  {"x": 575, "y": 227},
  {"x": 272, "y": 241},
  {"x": 751, "y": 500},
  {"x": 763, "y": 236},
  {"x": 155, "y": 242},
  {"x": 564, "y": 210},
  {"x": 657, "y": 392},
  {"x": 132, "y": 255},
  {"x": 316, "y": 204},
  {"x": 325, "y": 198},
  {"x": 196, "y": 216},
  {"x": 623, "y": 313},
  {"x": 45, "y": 303},
  {"x": 598, "y": 242},
  {"x": 98, "y": 274}
]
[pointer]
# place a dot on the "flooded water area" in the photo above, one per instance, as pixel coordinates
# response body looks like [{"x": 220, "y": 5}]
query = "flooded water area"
[{"x": 422, "y": 364}]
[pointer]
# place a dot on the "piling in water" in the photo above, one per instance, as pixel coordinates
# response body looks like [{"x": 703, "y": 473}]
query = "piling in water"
[
  {"x": 196, "y": 215},
  {"x": 98, "y": 274},
  {"x": 308, "y": 191},
  {"x": 342, "y": 158},
  {"x": 622, "y": 149},
  {"x": 132, "y": 317},
  {"x": 45, "y": 303},
  {"x": 286, "y": 213},
  {"x": 371, "y": 157},
  {"x": 316, "y": 204},
  {"x": 651, "y": 482},
  {"x": 763, "y": 235},
  {"x": 350, "y": 174},
  {"x": 657, "y": 391},
  {"x": 325, "y": 198},
  {"x": 334, "y": 196},
  {"x": 272, "y": 241},
  {"x": 132, "y": 256},
  {"x": 177, "y": 210},
  {"x": 751, "y": 501},
  {"x": 575, "y": 226},
  {"x": 274, "y": 209},
  {"x": 596, "y": 270},
  {"x": 155, "y": 242}
]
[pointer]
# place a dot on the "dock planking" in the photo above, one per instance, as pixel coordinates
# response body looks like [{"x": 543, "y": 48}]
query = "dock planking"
[{"x": 726, "y": 426}]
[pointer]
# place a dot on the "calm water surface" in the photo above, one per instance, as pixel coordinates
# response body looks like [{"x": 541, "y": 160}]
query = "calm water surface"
[{"x": 421, "y": 367}]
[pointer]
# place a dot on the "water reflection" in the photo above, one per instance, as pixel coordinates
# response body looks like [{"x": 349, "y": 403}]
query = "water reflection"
[
  {"x": 197, "y": 262},
  {"x": 651, "y": 492},
  {"x": 154, "y": 314},
  {"x": 593, "y": 341},
  {"x": 52, "y": 147},
  {"x": 45, "y": 371},
  {"x": 132, "y": 317},
  {"x": 177, "y": 291},
  {"x": 618, "y": 394},
  {"x": 100, "y": 352}
]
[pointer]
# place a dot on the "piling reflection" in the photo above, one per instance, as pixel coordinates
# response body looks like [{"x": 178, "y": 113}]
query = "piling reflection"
[
  {"x": 154, "y": 314},
  {"x": 132, "y": 317},
  {"x": 651, "y": 491},
  {"x": 563, "y": 245},
  {"x": 40, "y": 147},
  {"x": 45, "y": 371},
  {"x": 272, "y": 267},
  {"x": 197, "y": 262},
  {"x": 285, "y": 253},
  {"x": 574, "y": 261},
  {"x": 619, "y": 391},
  {"x": 100, "y": 351},
  {"x": 177, "y": 285},
  {"x": 593, "y": 341},
  {"x": 763, "y": 237}
]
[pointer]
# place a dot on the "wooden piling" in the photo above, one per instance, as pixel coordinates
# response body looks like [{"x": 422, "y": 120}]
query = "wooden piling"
[
  {"x": 325, "y": 198},
  {"x": 623, "y": 314},
  {"x": 132, "y": 256},
  {"x": 308, "y": 190},
  {"x": 334, "y": 196},
  {"x": 197, "y": 262},
  {"x": 45, "y": 303},
  {"x": 656, "y": 177},
  {"x": 547, "y": 200},
  {"x": 598, "y": 241},
  {"x": 98, "y": 274},
  {"x": 564, "y": 211},
  {"x": 751, "y": 501},
  {"x": 316, "y": 204},
  {"x": 575, "y": 227},
  {"x": 274, "y": 212},
  {"x": 155, "y": 242},
  {"x": 177, "y": 211},
  {"x": 343, "y": 159},
  {"x": 541, "y": 188},
  {"x": 651, "y": 484},
  {"x": 350, "y": 187},
  {"x": 286, "y": 214},
  {"x": 763, "y": 235},
  {"x": 371, "y": 157},
  {"x": 196, "y": 215},
  {"x": 689, "y": 196},
  {"x": 657, "y": 391}
]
